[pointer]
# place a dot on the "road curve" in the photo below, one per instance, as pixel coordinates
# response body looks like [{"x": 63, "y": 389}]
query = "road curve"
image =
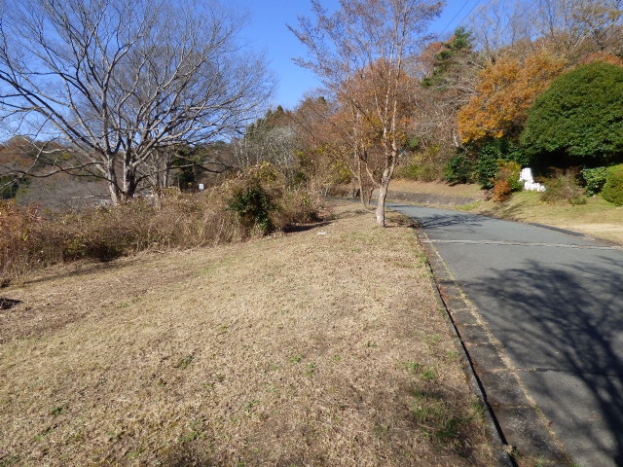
[{"x": 552, "y": 302}]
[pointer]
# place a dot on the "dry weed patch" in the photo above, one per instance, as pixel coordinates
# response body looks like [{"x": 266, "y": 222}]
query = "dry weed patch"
[{"x": 324, "y": 347}]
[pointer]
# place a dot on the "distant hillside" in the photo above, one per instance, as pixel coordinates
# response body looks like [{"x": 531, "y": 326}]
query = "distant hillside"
[{"x": 57, "y": 192}]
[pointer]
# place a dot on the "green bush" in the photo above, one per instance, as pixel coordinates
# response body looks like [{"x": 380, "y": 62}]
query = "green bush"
[
  {"x": 486, "y": 170},
  {"x": 510, "y": 171},
  {"x": 490, "y": 152},
  {"x": 426, "y": 165},
  {"x": 613, "y": 189},
  {"x": 594, "y": 179},
  {"x": 460, "y": 169},
  {"x": 253, "y": 205},
  {"x": 579, "y": 117},
  {"x": 410, "y": 171}
]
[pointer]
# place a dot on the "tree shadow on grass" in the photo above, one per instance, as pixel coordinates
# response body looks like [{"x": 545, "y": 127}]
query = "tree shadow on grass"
[
  {"x": 80, "y": 268},
  {"x": 297, "y": 228},
  {"x": 565, "y": 334},
  {"x": 7, "y": 303}
]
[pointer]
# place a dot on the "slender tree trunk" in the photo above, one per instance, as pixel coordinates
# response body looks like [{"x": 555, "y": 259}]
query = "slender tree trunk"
[
  {"x": 158, "y": 198},
  {"x": 360, "y": 178},
  {"x": 114, "y": 195},
  {"x": 111, "y": 177},
  {"x": 388, "y": 172},
  {"x": 383, "y": 189},
  {"x": 131, "y": 185}
]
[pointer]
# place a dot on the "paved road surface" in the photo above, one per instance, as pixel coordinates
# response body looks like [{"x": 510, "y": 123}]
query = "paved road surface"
[{"x": 554, "y": 302}]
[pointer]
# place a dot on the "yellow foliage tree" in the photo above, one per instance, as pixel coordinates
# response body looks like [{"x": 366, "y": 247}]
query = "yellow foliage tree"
[{"x": 505, "y": 92}]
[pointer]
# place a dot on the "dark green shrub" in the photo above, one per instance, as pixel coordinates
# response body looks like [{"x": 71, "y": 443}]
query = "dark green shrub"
[
  {"x": 594, "y": 179},
  {"x": 579, "y": 117},
  {"x": 10, "y": 184},
  {"x": 460, "y": 169},
  {"x": 486, "y": 170},
  {"x": 490, "y": 152},
  {"x": 613, "y": 189},
  {"x": 253, "y": 205}
]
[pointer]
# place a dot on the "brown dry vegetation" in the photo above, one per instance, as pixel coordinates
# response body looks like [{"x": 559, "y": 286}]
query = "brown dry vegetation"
[
  {"x": 248, "y": 204},
  {"x": 324, "y": 347},
  {"x": 438, "y": 188}
]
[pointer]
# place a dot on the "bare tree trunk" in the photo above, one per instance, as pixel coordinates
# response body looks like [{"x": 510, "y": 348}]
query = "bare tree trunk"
[
  {"x": 158, "y": 198},
  {"x": 380, "y": 207},
  {"x": 113, "y": 186},
  {"x": 114, "y": 195},
  {"x": 383, "y": 189},
  {"x": 362, "y": 196}
]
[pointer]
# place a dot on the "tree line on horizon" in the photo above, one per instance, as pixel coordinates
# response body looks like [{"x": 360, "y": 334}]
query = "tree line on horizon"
[{"x": 145, "y": 96}]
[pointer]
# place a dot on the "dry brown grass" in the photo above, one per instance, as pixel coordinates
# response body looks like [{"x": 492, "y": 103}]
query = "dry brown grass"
[
  {"x": 325, "y": 347},
  {"x": 438, "y": 188}
]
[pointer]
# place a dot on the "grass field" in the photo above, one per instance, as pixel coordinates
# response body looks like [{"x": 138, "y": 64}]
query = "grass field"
[{"x": 325, "y": 347}]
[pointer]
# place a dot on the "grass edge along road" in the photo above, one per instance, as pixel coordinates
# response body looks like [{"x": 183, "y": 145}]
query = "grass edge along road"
[
  {"x": 323, "y": 347},
  {"x": 596, "y": 218}
]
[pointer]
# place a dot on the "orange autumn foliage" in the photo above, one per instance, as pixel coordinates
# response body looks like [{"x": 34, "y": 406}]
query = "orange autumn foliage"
[{"x": 505, "y": 92}]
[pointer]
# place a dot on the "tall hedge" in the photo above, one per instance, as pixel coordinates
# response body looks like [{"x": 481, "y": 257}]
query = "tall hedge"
[{"x": 579, "y": 118}]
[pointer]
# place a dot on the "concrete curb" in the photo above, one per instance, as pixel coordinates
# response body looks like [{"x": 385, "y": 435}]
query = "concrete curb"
[
  {"x": 516, "y": 427},
  {"x": 500, "y": 447}
]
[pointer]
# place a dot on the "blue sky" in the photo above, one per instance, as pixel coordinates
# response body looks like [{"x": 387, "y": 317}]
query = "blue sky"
[{"x": 268, "y": 32}]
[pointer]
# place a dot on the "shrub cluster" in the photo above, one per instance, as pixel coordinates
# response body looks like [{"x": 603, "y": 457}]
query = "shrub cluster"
[
  {"x": 491, "y": 154},
  {"x": 563, "y": 186},
  {"x": 253, "y": 203},
  {"x": 506, "y": 180},
  {"x": 425, "y": 165},
  {"x": 594, "y": 179},
  {"x": 502, "y": 191},
  {"x": 486, "y": 163},
  {"x": 460, "y": 169},
  {"x": 613, "y": 188}
]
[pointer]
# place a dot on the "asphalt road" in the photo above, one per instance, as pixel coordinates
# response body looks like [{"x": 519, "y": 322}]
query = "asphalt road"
[{"x": 554, "y": 302}]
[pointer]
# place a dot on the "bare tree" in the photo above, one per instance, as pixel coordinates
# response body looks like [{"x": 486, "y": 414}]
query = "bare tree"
[
  {"x": 568, "y": 27},
  {"x": 369, "y": 40},
  {"x": 272, "y": 139},
  {"x": 122, "y": 80}
]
